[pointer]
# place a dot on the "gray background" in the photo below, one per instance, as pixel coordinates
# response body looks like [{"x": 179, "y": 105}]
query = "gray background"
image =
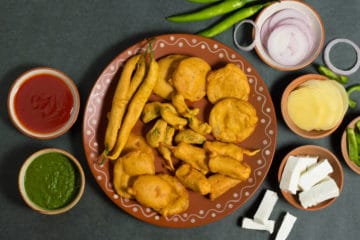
[{"x": 80, "y": 38}]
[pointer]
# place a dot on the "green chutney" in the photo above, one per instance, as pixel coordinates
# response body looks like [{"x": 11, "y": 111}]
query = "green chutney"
[{"x": 52, "y": 181}]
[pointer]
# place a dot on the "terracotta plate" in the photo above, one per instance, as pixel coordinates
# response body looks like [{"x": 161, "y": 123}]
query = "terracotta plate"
[{"x": 202, "y": 210}]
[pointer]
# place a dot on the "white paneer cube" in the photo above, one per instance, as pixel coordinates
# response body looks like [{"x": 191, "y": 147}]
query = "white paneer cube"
[
  {"x": 286, "y": 227},
  {"x": 249, "y": 223},
  {"x": 266, "y": 206},
  {"x": 294, "y": 166},
  {"x": 320, "y": 192},
  {"x": 315, "y": 174}
]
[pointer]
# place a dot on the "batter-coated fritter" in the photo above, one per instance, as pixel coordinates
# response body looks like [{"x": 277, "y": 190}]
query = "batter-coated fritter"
[
  {"x": 193, "y": 179},
  {"x": 229, "y": 81},
  {"x": 232, "y": 120},
  {"x": 161, "y": 192},
  {"x": 189, "y": 78},
  {"x": 230, "y": 167},
  {"x": 167, "y": 65},
  {"x": 220, "y": 184},
  {"x": 195, "y": 156},
  {"x": 228, "y": 149}
]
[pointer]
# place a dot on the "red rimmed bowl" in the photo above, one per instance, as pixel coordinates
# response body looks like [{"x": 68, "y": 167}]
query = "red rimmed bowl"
[{"x": 43, "y": 103}]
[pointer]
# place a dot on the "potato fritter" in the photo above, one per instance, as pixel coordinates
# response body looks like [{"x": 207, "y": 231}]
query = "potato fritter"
[
  {"x": 228, "y": 81},
  {"x": 189, "y": 78},
  {"x": 167, "y": 64},
  {"x": 232, "y": 120}
]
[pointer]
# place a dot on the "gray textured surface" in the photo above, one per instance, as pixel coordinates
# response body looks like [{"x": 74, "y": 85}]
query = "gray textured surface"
[{"x": 81, "y": 38}]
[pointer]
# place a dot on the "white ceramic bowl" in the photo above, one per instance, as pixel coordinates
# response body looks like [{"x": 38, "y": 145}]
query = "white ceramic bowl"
[
  {"x": 42, "y": 100},
  {"x": 314, "y": 22},
  {"x": 79, "y": 186}
]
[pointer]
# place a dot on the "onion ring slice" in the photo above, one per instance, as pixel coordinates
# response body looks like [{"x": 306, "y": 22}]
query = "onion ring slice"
[
  {"x": 329, "y": 64},
  {"x": 251, "y": 45}
]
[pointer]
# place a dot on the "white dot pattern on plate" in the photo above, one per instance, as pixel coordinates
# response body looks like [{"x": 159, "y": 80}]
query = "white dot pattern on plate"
[{"x": 92, "y": 121}]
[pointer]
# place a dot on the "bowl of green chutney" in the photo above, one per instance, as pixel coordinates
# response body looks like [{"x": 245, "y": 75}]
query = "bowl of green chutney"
[{"x": 51, "y": 181}]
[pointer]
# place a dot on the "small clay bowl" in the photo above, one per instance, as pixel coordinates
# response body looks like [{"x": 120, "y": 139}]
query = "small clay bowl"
[
  {"x": 314, "y": 21},
  {"x": 64, "y": 167},
  {"x": 322, "y": 153},
  {"x": 344, "y": 147},
  {"x": 314, "y": 134},
  {"x": 43, "y": 103}
]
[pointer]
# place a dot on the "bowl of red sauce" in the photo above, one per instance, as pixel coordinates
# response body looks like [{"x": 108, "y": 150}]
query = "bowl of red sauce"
[
  {"x": 43, "y": 103},
  {"x": 51, "y": 181}
]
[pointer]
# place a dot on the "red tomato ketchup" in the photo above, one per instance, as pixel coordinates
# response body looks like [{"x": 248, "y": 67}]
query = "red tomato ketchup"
[{"x": 43, "y": 103}]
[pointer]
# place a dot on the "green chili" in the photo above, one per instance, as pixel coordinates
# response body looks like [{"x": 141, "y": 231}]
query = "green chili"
[
  {"x": 357, "y": 137},
  {"x": 354, "y": 88},
  {"x": 357, "y": 125},
  {"x": 330, "y": 74},
  {"x": 352, "y": 146},
  {"x": 210, "y": 12},
  {"x": 231, "y": 20},
  {"x": 204, "y": 1}
]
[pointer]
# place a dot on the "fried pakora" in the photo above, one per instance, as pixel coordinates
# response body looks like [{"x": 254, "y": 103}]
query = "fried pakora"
[
  {"x": 228, "y": 81},
  {"x": 161, "y": 192},
  {"x": 230, "y": 167},
  {"x": 189, "y": 78},
  {"x": 193, "y": 155},
  {"x": 228, "y": 149},
  {"x": 167, "y": 65},
  {"x": 220, "y": 184},
  {"x": 232, "y": 120},
  {"x": 193, "y": 179}
]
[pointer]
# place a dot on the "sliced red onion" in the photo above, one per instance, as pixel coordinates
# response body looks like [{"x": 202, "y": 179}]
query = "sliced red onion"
[
  {"x": 287, "y": 37},
  {"x": 286, "y": 13},
  {"x": 303, "y": 26},
  {"x": 251, "y": 45},
  {"x": 327, "y": 61},
  {"x": 287, "y": 45}
]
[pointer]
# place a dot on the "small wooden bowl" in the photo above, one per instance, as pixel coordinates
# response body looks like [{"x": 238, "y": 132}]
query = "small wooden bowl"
[
  {"x": 322, "y": 153},
  {"x": 79, "y": 185},
  {"x": 314, "y": 134},
  {"x": 344, "y": 147}
]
